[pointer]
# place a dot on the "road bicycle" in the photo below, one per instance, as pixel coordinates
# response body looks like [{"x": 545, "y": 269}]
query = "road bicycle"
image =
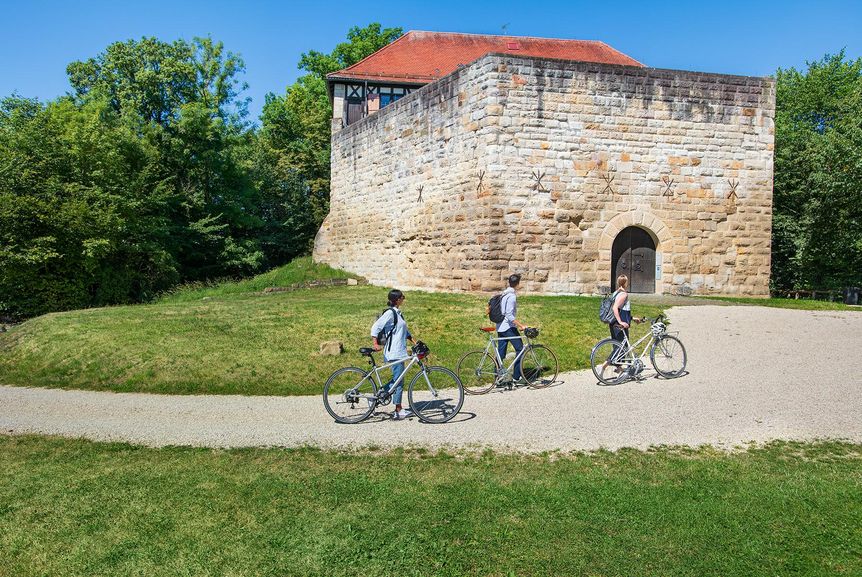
[
  {"x": 614, "y": 362},
  {"x": 482, "y": 370},
  {"x": 435, "y": 394}
]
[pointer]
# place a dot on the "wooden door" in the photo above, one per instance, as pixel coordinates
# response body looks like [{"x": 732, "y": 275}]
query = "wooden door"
[
  {"x": 355, "y": 110},
  {"x": 633, "y": 255}
]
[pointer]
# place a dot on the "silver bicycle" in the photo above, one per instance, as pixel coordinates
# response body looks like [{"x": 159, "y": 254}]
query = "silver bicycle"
[
  {"x": 614, "y": 362},
  {"x": 481, "y": 371},
  {"x": 435, "y": 394}
]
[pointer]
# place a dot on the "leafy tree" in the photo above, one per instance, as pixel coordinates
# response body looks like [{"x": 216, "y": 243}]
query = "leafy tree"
[
  {"x": 148, "y": 174},
  {"x": 361, "y": 42},
  {"x": 76, "y": 229},
  {"x": 294, "y": 145},
  {"x": 817, "y": 221},
  {"x": 154, "y": 79}
]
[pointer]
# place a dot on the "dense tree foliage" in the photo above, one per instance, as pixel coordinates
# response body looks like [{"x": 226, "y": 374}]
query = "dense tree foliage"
[
  {"x": 148, "y": 174},
  {"x": 295, "y": 133},
  {"x": 817, "y": 222}
]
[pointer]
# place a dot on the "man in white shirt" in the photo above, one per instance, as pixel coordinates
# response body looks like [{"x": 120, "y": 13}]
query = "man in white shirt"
[{"x": 509, "y": 326}]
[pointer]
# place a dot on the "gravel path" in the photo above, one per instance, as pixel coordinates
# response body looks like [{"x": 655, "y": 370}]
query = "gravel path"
[{"x": 756, "y": 374}]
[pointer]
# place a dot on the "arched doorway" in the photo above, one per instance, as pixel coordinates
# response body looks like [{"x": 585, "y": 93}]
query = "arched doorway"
[{"x": 633, "y": 255}]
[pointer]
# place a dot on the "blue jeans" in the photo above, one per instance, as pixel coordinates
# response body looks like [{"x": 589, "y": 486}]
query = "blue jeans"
[
  {"x": 516, "y": 344},
  {"x": 397, "y": 369}
]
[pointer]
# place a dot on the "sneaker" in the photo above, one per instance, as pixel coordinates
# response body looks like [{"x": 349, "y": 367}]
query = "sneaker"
[{"x": 402, "y": 414}]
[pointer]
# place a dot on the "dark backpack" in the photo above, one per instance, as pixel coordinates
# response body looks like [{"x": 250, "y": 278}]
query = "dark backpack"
[
  {"x": 606, "y": 310},
  {"x": 495, "y": 309},
  {"x": 383, "y": 335}
]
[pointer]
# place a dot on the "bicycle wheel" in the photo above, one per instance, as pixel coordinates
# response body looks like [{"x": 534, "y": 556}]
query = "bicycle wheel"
[
  {"x": 610, "y": 362},
  {"x": 478, "y": 372},
  {"x": 668, "y": 357},
  {"x": 435, "y": 394},
  {"x": 349, "y": 395},
  {"x": 539, "y": 366}
]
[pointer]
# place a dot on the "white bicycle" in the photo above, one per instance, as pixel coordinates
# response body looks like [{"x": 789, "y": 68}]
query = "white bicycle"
[
  {"x": 435, "y": 394},
  {"x": 614, "y": 362}
]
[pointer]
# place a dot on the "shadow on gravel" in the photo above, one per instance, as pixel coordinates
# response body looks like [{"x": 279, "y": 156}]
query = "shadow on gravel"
[
  {"x": 641, "y": 379},
  {"x": 661, "y": 378},
  {"x": 461, "y": 417},
  {"x": 382, "y": 417}
]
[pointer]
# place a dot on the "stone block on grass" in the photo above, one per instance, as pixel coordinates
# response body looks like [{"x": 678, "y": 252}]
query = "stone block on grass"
[{"x": 331, "y": 348}]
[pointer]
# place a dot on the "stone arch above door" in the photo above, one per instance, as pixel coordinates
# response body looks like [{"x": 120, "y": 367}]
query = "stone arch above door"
[{"x": 657, "y": 230}]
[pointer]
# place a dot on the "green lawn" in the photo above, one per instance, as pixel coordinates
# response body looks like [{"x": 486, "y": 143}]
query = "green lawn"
[
  {"x": 78, "y": 508},
  {"x": 802, "y": 304},
  {"x": 249, "y": 343},
  {"x": 300, "y": 271}
]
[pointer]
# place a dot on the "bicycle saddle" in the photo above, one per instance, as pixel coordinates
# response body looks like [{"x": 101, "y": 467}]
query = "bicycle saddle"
[
  {"x": 366, "y": 351},
  {"x": 488, "y": 329}
]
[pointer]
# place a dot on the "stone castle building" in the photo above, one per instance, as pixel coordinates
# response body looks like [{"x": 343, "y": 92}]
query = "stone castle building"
[{"x": 458, "y": 159}]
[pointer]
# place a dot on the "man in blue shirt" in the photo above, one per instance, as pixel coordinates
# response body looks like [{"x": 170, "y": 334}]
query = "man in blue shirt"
[{"x": 509, "y": 326}]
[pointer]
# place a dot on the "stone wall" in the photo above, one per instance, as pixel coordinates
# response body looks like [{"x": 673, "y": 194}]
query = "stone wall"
[{"x": 534, "y": 165}]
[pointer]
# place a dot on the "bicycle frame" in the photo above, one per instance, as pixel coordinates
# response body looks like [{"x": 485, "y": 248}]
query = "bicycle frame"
[
  {"x": 492, "y": 343},
  {"x": 411, "y": 360},
  {"x": 629, "y": 348}
]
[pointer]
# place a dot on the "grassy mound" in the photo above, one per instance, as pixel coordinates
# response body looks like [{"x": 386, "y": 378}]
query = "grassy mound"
[
  {"x": 77, "y": 508},
  {"x": 264, "y": 344},
  {"x": 296, "y": 273}
]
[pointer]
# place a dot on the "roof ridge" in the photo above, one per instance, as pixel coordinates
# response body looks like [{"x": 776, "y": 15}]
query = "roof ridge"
[{"x": 507, "y": 36}]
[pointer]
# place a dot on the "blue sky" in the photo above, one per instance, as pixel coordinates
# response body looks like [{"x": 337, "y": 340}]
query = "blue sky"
[{"x": 40, "y": 37}]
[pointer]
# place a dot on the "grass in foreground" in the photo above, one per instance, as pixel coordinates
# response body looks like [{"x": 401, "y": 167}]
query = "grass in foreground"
[
  {"x": 79, "y": 508},
  {"x": 257, "y": 344}
]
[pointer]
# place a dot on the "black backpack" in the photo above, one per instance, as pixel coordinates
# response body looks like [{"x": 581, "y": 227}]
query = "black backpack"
[
  {"x": 495, "y": 309},
  {"x": 383, "y": 335}
]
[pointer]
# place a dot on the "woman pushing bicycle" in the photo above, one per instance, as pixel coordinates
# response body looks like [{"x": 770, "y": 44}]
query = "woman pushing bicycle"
[
  {"x": 622, "y": 310},
  {"x": 391, "y": 334}
]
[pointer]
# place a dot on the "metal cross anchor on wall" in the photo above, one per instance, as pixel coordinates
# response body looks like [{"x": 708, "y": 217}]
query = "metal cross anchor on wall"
[
  {"x": 668, "y": 183},
  {"x": 419, "y": 188},
  {"x": 480, "y": 188},
  {"x": 537, "y": 185},
  {"x": 609, "y": 179},
  {"x": 731, "y": 196}
]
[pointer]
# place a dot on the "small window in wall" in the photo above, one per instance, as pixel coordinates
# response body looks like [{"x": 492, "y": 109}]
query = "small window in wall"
[{"x": 389, "y": 94}]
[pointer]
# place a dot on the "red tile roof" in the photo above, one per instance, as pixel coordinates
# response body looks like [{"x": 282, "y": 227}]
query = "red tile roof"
[{"x": 420, "y": 57}]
